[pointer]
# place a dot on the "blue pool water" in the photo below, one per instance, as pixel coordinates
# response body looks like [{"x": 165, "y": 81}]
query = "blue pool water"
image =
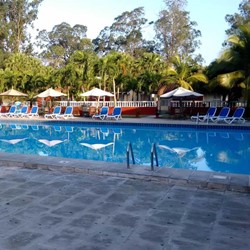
[{"x": 222, "y": 150}]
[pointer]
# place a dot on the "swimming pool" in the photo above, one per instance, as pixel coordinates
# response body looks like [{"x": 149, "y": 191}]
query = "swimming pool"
[{"x": 208, "y": 149}]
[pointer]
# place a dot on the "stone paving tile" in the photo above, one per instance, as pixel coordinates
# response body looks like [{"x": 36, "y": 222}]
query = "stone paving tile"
[{"x": 45, "y": 210}]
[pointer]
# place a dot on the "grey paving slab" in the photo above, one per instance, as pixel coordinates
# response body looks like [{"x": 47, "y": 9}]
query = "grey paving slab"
[{"x": 40, "y": 209}]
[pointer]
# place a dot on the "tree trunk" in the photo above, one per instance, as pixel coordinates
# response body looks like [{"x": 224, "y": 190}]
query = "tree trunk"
[{"x": 114, "y": 87}]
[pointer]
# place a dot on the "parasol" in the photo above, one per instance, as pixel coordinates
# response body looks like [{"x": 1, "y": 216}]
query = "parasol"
[
  {"x": 181, "y": 92},
  {"x": 50, "y": 93},
  {"x": 13, "y": 93}
]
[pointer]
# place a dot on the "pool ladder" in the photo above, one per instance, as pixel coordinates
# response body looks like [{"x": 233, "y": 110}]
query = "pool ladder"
[
  {"x": 130, "y": 151},
  {"x": 153, "y": 154}
]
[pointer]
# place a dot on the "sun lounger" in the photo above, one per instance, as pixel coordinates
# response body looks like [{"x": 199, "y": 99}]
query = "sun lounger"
[
  {"x": 103, "y": 113},
  {"x": 56, "y": 112},
  {"x": 68, "y": 113},
  {"x": 10, "y": 113},
  {"x": 236, "y": 117},
  {"x": 202, "y": 118},
  {"x": 33, "y": 113},
  {"x": 222, "y": 115},
  {"x": 22, "y": 112},
  {"x": 116, "y": 114}
]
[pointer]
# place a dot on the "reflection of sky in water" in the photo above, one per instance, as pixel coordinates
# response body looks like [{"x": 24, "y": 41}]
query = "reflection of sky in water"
[{"x": 207, "y": 150}]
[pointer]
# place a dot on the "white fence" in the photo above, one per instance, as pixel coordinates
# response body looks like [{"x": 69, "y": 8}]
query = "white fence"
[
  {"x": 163, "y": 103},
  {"x": 191, "y": 104},
  {"x": 108, "y": 103}
]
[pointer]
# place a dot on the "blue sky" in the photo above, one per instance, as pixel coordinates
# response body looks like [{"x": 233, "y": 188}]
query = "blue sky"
[{"x": 96, "y": 14}]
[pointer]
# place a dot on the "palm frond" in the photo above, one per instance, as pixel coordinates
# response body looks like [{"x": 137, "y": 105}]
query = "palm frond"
[
  {"x": 229, "y": 79},
  {"x": 185, "y": 85},
  {"x": 235, "y": 40},
  {"x": 198, "y": 77},
  {"x": 171, "y": 71}
]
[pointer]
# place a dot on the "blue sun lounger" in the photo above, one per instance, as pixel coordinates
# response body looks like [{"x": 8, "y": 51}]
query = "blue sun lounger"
[
  {"x": 103, "y": 113},
  {"x": 202, "y": 118},
  {"x": 222, "y": 115},
  {"x": 33, "y": 113},
  {"x": 22, "y": 112},
  {"x": 116, "y": 114},
  {"x": 236, "y": 117},
  {"x": 68, "y": 113},
  {"x": 56, "y": 112},
  {"x": 10, "y": 113}
]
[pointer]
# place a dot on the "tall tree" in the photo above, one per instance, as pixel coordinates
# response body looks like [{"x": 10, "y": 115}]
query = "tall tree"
[
  {"x": 238, "y": 18},
  {"x": 124, "y": 35},
  {"x": 15, "y": 18},
  {"x": 147, "y": 71},
  {"x": 175, "y": 33},
  {"x": 78, "y": 75},
  {"x": 60, "y": 43}
]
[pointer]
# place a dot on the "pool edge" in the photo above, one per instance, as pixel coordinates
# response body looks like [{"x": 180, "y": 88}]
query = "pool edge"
[{"x": 183, "y": 177}]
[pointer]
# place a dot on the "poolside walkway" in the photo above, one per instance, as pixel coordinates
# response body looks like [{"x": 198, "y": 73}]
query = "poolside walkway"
[
  {"x": 57, "y": 203},
  {"x": 53, "y": 210}
]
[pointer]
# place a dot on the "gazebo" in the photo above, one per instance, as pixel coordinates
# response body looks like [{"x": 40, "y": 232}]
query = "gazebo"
[{"x": 180, "y": 101}]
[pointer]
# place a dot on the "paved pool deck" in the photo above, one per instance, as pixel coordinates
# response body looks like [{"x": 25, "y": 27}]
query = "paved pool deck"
[{"x": 57, "y": 203}]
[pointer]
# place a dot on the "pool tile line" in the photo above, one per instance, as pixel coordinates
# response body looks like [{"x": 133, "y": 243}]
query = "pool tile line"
[
  {"x": 184, "y": 177},
  {"x": 144, "y": 123}
]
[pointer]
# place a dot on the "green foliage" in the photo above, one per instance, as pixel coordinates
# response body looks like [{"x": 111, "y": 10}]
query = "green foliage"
[
  {"x": 24, "y": 73},
  {"x": 175, "y": 33},
  {"x": 119, "y": 59},
  {"x": 124, "y": 35},
  {"x": 183, "y": 73},
  {"x": 232, "y": 69},
  {"x": 238, "y": 18},
  {"x": 15, "y": 18},
  {"x": 59, "y": 44},
  {"x": 79, "y": 73}
]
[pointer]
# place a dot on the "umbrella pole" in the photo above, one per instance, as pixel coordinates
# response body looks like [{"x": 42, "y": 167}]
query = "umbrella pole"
[
  {"x": 114, "y": 87},
  {"x": 98, "y": 101}
]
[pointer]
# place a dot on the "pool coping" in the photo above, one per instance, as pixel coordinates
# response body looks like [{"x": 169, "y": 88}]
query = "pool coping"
[
  {"x": 195, "y": 178},
  {"x": 143, "y": 122}
]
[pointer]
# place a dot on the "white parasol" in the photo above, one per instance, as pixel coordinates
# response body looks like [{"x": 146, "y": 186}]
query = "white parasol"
[
  {"x": 181, "y": 92},
  {"x": 96, "y": 92},
  {"x": 50, "y": 93},
  {"x": 12, "y": 93}
]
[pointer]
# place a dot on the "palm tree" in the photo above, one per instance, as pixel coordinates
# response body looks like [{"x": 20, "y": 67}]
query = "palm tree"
[
  {"x": 181, "y": 73},
  {"x": 236, "y": 61},
  {"x": 78, "y": 74},
  {"x": 148, "y": 72}
]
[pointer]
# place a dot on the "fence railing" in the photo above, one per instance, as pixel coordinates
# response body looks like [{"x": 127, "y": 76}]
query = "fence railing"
[
  {"x": 174, "y": 104},
  {"x": 212, "y": 103},
  {"x": 108, "y": 103}
]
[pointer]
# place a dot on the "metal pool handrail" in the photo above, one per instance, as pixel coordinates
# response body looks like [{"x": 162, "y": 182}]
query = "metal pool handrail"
[
  {"x": 130, "y": 150},
  {"x": 154, "y": 155}
]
